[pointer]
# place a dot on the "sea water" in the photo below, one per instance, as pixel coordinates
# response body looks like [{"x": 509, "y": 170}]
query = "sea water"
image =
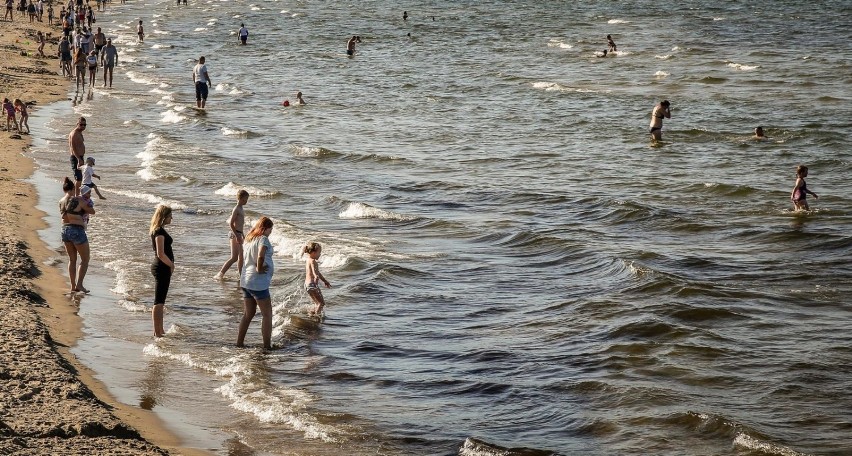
[{"x": 515, "y": 267}]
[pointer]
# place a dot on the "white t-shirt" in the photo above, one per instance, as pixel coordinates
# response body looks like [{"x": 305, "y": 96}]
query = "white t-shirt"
[
  {"x": 200, "y": 71},
  {"x": 88, "y": 171}
]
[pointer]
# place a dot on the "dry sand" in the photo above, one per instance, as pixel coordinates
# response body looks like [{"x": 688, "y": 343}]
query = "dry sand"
[{"x": 49, "y": 402}]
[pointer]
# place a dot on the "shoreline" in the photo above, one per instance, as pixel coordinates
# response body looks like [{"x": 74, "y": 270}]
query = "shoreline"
[{"x": 50, "y": 402}]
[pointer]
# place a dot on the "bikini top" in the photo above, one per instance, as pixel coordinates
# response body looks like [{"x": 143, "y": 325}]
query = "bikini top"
[{"x": 71, "y": 206}]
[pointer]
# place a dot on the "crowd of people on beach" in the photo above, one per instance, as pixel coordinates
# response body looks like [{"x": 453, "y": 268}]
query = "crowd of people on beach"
[{"x": 252, "y": 251}]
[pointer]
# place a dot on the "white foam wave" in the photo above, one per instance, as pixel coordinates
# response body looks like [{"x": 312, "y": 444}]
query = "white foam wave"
[
  {"x": 676, "y": 48},
  {"x": 554, "y": 87},
  {"x": 201, "y": 29},
  {"x": 171, "y": 116},
  {"x": 162, "y": 46},
  {"x": 234, "y": 132},
  {"x": 153, "y": 199},
  {"x": 747, "y": 441},
  {"x": 363, "y": 211},
  {"x": 742, "y": 67},
  {"x": 231, "y": 189},
  {"x": 122, "y": 281},
  {"x": 718, "y": 18},
  {"x": 139, "y": 79},
  {"x": 617, "y": 21},
  {"x": 559, "y": 44},
  {"x": 661, "y": 74},
  {"x": 663, "y": 57},
  {"x": 161, "y": 32},
  {"x": 133, "y": 306}
]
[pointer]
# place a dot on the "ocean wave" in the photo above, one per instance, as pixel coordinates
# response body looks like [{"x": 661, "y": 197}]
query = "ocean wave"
[
  {"x": 617, "y": 21},
  {"x": 140, "y": 79},
  {"x": 171, "y": 116},
  {"x": 122, "y": 280},
  {"x": 365, "y": 211},
  {"x": 661, "y": 74},
  {"x": 752, "y": 443},
  {"x": 231, "y": 89},
  {"x": 231, "y": 189},
  {"x": 476, "y": 447},
  {"x": 162, "y": 46},
  {"x": 663, "y": 57},
  {"x": 315, "y": 152},
  {"x": 153, "y": 199},
  {"x": 556, "y": 87},
  {"x": 227, "y": 131},
  {"x": 559, "y": 44},
  {"x": 742, "y": 67}
]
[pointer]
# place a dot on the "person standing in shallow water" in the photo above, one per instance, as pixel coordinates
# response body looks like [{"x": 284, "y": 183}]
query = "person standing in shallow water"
[
  {"x": 255, "y": 280},
  {"x": 660, "y": 111},
  {"x": 72, "y": 209},
  {"x": 243, "y": 34},
  {"x": 164, "y": 264},
  {"x": 800, "y": 191},
  {"x": 236, "y": 224},
  {"x": 202, "y": 80}
]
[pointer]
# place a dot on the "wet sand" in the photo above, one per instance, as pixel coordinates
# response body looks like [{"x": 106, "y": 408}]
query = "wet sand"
[{"x": 49, "y": 402}]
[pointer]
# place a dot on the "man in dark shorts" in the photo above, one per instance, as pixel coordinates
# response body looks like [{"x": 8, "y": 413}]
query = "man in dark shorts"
[
  {"x": 77, "y": 151},
  {"x": 202, "y": 80},
  {"x": 100, "y": 41},
  {"x": 109, "y": 58},
  {"x": 65, "y": 56},
  {"x": 350, "y": 46}
]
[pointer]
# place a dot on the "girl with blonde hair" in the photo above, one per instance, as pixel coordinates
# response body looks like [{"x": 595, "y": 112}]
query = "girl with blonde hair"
[
  {"x": 164, "y": 264},
  {"x": 313, "y": 276}
]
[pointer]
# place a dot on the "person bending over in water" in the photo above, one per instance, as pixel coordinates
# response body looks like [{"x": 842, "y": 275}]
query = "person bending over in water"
[
  {"x": 313, "y": 276},
  {"x": 660, "y": 111},
  {"x": 800, "y": 190},
  {"x": 350, "y": 46},
  {"x": 611, "y": 43}
]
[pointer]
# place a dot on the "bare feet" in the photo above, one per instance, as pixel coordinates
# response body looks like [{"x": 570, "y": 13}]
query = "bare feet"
[{"x": 81, "y": 290}]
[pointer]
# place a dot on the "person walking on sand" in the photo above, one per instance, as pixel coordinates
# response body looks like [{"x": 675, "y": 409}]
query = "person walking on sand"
[
  {"x": 237, "y": 224},
  {"x": 164, "y": 264},
  {"x": 10, "y": 8},
  {"x": 77, "y": 150},
  {"x": 65, "y": 56},
  {"x": 109, "y": 60},
  {"x": 313, "y": 276},
  {"x": 662, "y": 110},
  {"x": 202, "y": 80},
  {"x": 72, "y": 208},
  {"x": 255, "y": 280},
  {"x": 800, "y": 191},
  {"x": 41, "y": 43},
  {"x": 243, "y": 33},
  {"x": 80, "y": 67},
  {"x": 21, "y": 107},
  {"x": 11, "y": 117}
]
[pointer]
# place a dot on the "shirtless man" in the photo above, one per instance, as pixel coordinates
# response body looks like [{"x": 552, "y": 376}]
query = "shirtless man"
[
  {"x": 350, "y": 46},
  {"x": 237, "y": 225},
  {"x": 77, "y": 151},
  {"x": 100, "y": 41},
  {"x": 109, "y": 58},
  {"x": 660, "y": 111}
]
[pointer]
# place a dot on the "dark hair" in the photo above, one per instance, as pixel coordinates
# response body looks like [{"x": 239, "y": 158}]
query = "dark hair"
[
  {"x": 665, "y": 103},
  {"x": 67, "y": 184}
]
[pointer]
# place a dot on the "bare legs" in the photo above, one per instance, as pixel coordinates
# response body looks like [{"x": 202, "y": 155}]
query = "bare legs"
[
  {"x": 77, "y": 273},
  {"x": 250, "y": 308},
  {"x": 316, "y": 295},
  {"x": 236, "y": 257},
  {"x": 157, "y": 318}
]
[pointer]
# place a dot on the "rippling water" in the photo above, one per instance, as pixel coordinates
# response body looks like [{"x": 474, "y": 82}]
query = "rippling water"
[{"x": 516, "y": 269}]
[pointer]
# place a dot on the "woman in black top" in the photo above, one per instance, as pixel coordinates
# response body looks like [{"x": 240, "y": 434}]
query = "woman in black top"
[
  {"x": 74, "y": 238},
  {"x": 164, "y": 264}
]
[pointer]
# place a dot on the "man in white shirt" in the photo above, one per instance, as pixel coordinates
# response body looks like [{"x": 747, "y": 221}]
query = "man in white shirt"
[{"x": 202, "y": 81}]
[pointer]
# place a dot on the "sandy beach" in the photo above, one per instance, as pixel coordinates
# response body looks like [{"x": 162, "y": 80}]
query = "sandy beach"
[{"x": 49, "y": 402}]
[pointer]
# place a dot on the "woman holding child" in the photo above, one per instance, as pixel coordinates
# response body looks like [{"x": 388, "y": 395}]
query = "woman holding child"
[{"x": 72, "y": 208}]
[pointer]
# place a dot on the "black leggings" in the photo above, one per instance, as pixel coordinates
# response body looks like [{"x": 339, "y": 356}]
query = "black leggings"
[{"x": 162, "y": 279}]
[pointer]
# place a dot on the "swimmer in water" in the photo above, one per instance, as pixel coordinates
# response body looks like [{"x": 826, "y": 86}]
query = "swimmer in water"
[
  {"x": 661, "y": 111},
  {"x": 611, "y": 43},
  {"x": 758, "y": 133}
]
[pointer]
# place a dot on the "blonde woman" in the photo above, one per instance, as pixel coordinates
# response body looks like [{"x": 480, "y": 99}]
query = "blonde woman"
[
  {"x": 164, "y": 264},
  {"x": 255, "y": 279}
]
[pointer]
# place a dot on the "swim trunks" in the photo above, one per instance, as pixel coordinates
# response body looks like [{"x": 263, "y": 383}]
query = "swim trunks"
[
  {"x": 349, "y": 52},
  {"x": 78, "y": 175},
  {"x": 655, "y": 129},
  {"x": 312, "y": 286},
  {"x": 232, "y": 236},
  {"x": 201, "y": 91}
]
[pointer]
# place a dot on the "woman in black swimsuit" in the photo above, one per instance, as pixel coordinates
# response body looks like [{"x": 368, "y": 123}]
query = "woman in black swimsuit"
[
  {"x": 164, "y": 264},
  {"x": 72, "y": 208}
]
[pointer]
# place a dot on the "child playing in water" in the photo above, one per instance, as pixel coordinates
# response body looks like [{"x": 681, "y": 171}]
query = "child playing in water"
[
  {"x": 86, "y": 196},
  {"x": 800, "y": 190},
  {"x": 313, "y": 276},
  {"x": 88, "y": 171},
  {"x": 21, "y": 107}
]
